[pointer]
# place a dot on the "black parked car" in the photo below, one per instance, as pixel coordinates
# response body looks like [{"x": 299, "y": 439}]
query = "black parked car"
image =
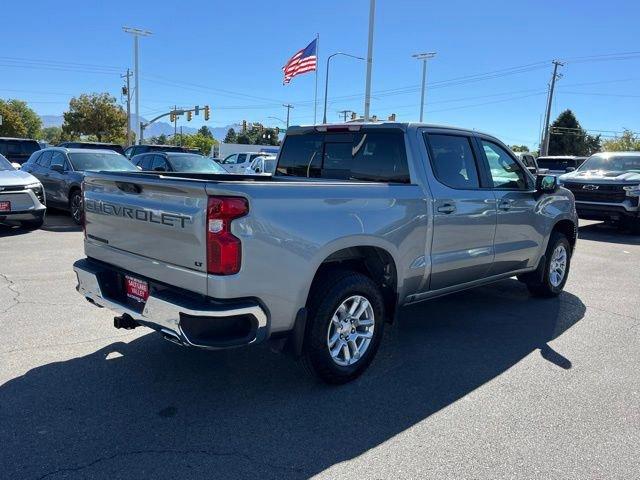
[
  {"x": 18, "y": 150},
  {"x": 94, "y": 146},
  {"x": 61, "y": 170},
  {"x": 134, "y": 150},
  {"x": 176, "y": 162}
]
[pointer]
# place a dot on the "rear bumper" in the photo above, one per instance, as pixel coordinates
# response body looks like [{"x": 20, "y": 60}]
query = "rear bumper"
[{"x": 189, "y": 320}]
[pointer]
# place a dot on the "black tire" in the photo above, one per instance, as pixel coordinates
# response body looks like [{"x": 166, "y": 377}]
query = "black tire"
[
  {"x": 76, "y": 207},
  {"x": 33, "y": 224},
  {"x": 544, "y": 287},
  {"x": 327, "y": 295}
]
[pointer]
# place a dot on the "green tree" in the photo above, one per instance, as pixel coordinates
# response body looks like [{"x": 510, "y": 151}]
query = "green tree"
[
  {"x": 231, "y": 136},
  {"x": 30, "y": 119},
  {"x": 205, "y": 132},
  {"x": 12, "y": 124},
  {"x": 95, "y": 114},
  {"x": 627, "y": 142},
  {"x": 199, "y": 141},
  {"x": 53, "y": 135},
  {"x": 569, "y": 138},
  {"x": 519, "y": 148},
  {"x": 244, "y": 139}
]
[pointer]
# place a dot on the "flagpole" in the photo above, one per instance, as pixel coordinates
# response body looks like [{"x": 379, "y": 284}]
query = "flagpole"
[{"x": 315, "y": 102}]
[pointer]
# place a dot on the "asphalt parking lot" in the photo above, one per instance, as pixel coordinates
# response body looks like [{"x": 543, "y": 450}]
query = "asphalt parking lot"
[{"x": 487, "y": 383}]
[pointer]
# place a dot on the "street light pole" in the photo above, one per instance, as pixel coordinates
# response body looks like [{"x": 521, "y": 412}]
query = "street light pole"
[
  {"x": 367, "y": 91},
  {"x": 424, "y": 57},
  {"x": 326, "y": 80},
  {"x": 136, "y": 32}
]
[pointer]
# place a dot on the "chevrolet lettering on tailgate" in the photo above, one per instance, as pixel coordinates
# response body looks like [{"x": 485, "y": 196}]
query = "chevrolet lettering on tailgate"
[{"x": 142, "y": 215}]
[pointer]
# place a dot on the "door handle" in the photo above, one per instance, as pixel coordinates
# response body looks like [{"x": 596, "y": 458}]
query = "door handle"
[
  {"x": 505, "y": 204},
  {"x": 446, "y": 208}
]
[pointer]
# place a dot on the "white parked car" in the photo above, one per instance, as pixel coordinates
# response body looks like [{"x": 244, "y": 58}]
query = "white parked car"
[
  {"x": 262, "y": 166},
  {"x": 21, "y": 196},
  {"x": 238, "y": 162}
]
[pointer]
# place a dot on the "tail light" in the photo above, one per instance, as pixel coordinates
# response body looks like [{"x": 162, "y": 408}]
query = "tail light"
[{"x": 224, "y": 250}]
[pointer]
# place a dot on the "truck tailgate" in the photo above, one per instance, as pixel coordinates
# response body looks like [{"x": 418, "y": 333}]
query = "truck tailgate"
[{"x": 159, "y": 219}]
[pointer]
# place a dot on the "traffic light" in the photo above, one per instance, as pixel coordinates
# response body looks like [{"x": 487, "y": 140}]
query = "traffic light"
[
  {"x": 197, "y": 110},
  {"x": 244, "y": 126},
  {"x": 392, "y": 117},
  {"x": 206, "y": 113},
  {"x": 354, "y": 115},
  {"x": 189, "y": 116},
  {"x": 277, "y": 130},
  {"x": 172, "y": 117}
]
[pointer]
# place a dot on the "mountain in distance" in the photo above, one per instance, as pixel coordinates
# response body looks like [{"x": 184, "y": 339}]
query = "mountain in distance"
[{"x": 153, "y": 130}]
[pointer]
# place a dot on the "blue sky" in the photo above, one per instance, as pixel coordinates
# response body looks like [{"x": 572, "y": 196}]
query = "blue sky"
[{"x": 229, "y": 55}]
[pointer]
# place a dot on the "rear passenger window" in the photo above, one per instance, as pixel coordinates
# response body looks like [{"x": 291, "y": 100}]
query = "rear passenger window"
[
  {"x": 453, "y": 161},
  {"x": 367, "y": 156}
]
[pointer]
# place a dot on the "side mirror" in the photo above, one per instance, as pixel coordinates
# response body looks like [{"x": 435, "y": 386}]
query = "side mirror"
[
  {"x": 57, "y": 168},
  {"x": 570, "y": 169},
  {"x": 546, "y": 183},
  {"x": 15, "y": 165},
  {"x": 533, "y": 170}
]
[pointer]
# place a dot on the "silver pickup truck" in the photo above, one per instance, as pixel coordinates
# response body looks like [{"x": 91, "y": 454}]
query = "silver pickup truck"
[{"x": 358, "y": 220}]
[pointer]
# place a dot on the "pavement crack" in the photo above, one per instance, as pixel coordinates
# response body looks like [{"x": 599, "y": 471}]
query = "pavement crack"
[
  {"x": 11, "y": 285},
  {"x": 210, "y": 453}
]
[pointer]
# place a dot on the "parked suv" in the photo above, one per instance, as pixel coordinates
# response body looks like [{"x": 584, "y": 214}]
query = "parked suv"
[
  {"x": 176, "y": 162},
  {"x": 18, "y": 150},
  {"x": 94, "y": 146},
  {"x": 61, "y": 171},
  {"x": 238, "y": 162},
  {"x": 607, "y": 187},
  {"x": 559, "y": 164},
  {"x": 134, "y": 150},
  {"x": 21, "y": 196},
  {"x": 358, "y": 219}
]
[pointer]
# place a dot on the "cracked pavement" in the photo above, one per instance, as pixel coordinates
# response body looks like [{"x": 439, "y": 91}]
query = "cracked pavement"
[{"x": 484, "y": 384}]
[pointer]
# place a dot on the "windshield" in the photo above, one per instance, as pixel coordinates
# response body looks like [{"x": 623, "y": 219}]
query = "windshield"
[
  {"x": 5, "y": 164},
  {"x": 195, "y": 164},
  {"x": 98, "y": 161},
  {"x": 612, "y": 163}
]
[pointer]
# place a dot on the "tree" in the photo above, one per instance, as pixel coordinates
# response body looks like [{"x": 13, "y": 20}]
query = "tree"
[
  {"x": 569, "y": 138},
  {"x": 95, "y": 114},
  {"x": 52, "y": 135},
  {"x": 205, "y": 132},
  {"x": 519, "y": 148},
  {"x": 12, "y": 124},
  {"x": 199, "y": 141},
  {"x": 30, "y": 119},
  {"x": 627, "y": 142},
  {"x": 231, "y": 136}
]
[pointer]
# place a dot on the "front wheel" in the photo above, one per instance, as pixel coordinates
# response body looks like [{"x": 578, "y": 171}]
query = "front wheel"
[
  {"x": 76, "y": 207},
  {"x": 556, "y": 268},
  {"x": 344, "y": 327}
]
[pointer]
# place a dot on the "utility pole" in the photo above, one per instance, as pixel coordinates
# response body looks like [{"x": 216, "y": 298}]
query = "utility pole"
[
  {"x": 326, "y": 81},
  {"x": 288, "y": 106},
  {"x": 128, "y": 92},
  {"x": 181, "y": 140},
  {"x": 424, "y": 57},
  {"x": 345, "y": 114},
  {"x": 136, "y": 32},
  {"x": 544, "y": 150},
  {"x": 367, "y": 92}
]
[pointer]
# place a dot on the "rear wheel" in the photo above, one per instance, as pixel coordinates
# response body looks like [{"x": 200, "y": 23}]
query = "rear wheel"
[
  {"x": 76, "y": 207},
  {"x": 556, "y": 268},
  {"x": 344, "y": 327}
]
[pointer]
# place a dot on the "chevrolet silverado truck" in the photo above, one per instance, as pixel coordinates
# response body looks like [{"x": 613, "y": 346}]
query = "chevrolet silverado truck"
[
  {"x": 358, "y": 220},
  {"x": 607, "y": 187}
]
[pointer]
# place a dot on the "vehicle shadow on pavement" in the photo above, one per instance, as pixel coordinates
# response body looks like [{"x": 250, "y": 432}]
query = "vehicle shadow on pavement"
[
  {"x": 60, "y": 221},
  {"x": 150, "y": 409},
  {"x": 602, "y": 232}
]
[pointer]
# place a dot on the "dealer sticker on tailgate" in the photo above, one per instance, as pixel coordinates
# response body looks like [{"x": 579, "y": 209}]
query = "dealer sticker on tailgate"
[
  {"x": 5, "y": 206},
  {"x": 137, "y": 289}
]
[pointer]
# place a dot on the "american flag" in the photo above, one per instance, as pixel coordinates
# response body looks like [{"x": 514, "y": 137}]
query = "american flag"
[{"x": 303, "y": 61}]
